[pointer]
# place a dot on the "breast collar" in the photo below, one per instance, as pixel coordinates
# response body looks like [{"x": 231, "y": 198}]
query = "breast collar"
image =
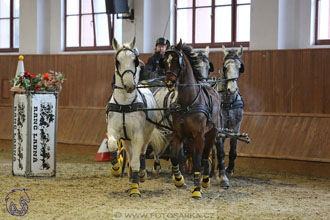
[{"x": 133, "y": 107}]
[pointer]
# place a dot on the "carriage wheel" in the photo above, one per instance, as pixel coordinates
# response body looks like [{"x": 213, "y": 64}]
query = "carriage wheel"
[
  {"x": 122, "y": 157},
  {"x": 124, "y": 154}
]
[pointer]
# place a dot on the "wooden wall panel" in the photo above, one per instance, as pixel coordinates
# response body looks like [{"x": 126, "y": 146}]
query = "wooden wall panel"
[
  {"x": 88, "y": 77},
  {"x": 286, "y": 136},
  {"x": 272, "y": 135},
  {"x": 282, "y": 81},
  {"x": 286, "y": 93},
  {"x": 75, "y": 125},
  {"x": 291, "y": 81},
  {"x": 6, "y": 123},
  {"x": 81, "y": 126}
]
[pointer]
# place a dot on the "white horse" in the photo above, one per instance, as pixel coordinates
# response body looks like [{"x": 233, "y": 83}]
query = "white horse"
[
  {"x": 125, "y": 119},
  {"x": 200, "y": 62}
]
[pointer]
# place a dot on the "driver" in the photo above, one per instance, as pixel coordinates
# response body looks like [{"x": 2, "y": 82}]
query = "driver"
[{"x": 152, "y": 69}]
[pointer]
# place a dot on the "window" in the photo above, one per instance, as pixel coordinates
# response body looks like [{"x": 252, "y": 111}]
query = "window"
[
  {"x": 322, "y": 27},
  {"x": 87, "y": 25},
  {"x": 9, "y": 25},
  {"x": 213, "y": 22}
]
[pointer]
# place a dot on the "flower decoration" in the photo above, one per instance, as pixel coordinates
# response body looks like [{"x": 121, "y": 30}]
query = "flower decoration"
[{"x": 51, "y": 81}]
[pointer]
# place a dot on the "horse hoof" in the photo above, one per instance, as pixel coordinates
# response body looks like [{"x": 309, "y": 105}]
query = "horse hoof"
[
  {"x": 135, "y": 193},
  {"x": 224, "y": 181},
  {"x": 156, "y": 170},
  {"x": 230, "y": 172},
  {"x": 205, "y": 182},
  {"x": 143, "y": 175},
  {"x": 178, "y": 181},
  {"x": 116, "y": 170},
  {"x": 196, "y": 194},
  {"x": 224, "y": 184}
]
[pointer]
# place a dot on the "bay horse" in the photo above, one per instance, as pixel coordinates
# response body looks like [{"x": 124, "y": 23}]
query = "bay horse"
[
  {"x": 199, "y": 60},
  {"x": 126, "y": 119},
  {"x": 196, "y": 116},
  {"x": 232, "y": 107}
]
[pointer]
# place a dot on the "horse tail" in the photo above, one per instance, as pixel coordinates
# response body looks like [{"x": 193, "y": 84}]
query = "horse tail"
[{"x": 158, "y": 141}]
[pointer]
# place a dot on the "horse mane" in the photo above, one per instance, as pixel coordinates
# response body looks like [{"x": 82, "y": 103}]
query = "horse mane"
[{"x": 196, "y": 59}]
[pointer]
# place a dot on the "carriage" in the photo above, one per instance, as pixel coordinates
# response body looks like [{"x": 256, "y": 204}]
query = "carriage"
[{"x": 136, "y": 117}]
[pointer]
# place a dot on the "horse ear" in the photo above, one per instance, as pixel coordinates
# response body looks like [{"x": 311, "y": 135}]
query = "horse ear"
[
  {"x": 240, "y": 51},
  {"x": 207, "y": 50},
  {"x": 179, "y": 45},
  {"x": 225, "y": 52},
  {"x": 115, "y": 44},
  {"x": 132, "y": 44},
  {"x": 167, "y": 44}
]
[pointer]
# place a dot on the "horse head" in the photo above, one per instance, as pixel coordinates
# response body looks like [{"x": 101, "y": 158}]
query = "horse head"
[
  {"x": 174, "y": 65},
  {"x": 205, "y": 67},
  {"x": 232, "y": 68},
  {"x": 127, "y": 65}
]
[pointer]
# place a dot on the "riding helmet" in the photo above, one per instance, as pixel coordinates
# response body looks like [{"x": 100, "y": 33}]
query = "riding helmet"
[{"x": 162, "y": 41}]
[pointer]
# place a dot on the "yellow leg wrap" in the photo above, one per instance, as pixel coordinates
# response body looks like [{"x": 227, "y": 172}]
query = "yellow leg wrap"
[
  {"x": 205, "y": 181},
  {"x": 135, "y": 190},
  {"x": 196, "y": 194},
  {"x": 116, "y": 169},
  {"x": 178, "y": 181}
]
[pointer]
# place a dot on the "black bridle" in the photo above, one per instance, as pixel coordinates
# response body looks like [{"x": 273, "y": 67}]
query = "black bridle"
[
  {"x": 182, "y": 63},
  {"x": 136, "y": 62},
  {"x": 233, "y": 57}
]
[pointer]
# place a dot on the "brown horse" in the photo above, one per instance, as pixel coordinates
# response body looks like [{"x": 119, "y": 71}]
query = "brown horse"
[{"x": 196, "y": 116}]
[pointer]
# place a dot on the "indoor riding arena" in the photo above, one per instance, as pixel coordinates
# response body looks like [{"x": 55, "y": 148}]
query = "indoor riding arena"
[{"x": 61, "y": 56}]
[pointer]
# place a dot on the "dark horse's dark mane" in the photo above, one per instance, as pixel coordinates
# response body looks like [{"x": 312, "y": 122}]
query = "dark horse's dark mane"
[{"x": 196, "y": 59}]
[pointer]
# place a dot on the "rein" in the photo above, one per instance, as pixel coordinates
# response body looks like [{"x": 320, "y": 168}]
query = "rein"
[{"x": 208, "y": 82}]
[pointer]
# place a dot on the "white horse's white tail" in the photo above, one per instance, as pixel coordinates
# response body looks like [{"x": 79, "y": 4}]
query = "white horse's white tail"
[{"x": 158, "y": 142}]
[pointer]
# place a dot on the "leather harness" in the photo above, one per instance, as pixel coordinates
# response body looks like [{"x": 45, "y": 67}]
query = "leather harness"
[
  {"x": 234, "y": 104},
  {"x": 133, "y": 107},
  {"x": 195, "y": 107}
]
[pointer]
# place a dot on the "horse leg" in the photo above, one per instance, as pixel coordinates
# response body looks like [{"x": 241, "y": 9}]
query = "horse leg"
[
  {"x": 157, "y": 167},
  {"x": 209, "y": 142},
  {"x": 181, "y": 158},
  {"x": 142, "y": 171},
  {"x": 177, "y": 176},
  {"x": 220, "y": 144},
  {"x": 135, "y": 165},
  {"x": 197, "y": 144},
  {"x": 232, "y": 156},
  {"x": 112, "y": 146}
]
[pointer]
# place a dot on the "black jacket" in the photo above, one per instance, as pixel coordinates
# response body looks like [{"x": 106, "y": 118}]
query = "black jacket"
[{"x": 152, "y": 69}]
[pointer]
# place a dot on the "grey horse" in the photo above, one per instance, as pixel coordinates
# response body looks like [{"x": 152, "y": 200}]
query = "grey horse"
[{"x": 232, "y": 106}]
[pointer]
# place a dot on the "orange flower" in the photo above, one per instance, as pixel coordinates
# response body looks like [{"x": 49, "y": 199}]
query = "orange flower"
[
  {"x": 32, "y": 75},
  {"x": 45, "y": 76}
]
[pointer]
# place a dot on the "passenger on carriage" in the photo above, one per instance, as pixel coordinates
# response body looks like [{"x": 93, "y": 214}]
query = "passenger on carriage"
[{"x": 152, "y": 69}]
